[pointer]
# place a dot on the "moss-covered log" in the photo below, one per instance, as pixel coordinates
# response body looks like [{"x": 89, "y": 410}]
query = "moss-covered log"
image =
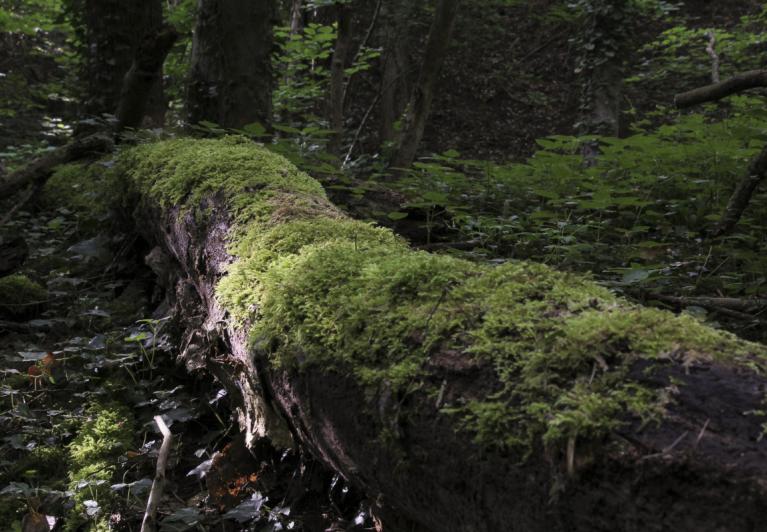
[{"x": 458, "y": 396}]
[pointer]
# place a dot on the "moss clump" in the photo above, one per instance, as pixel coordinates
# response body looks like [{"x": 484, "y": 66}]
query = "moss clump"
[
  {"x": 20, "y": 296},
  {"x": 103, "y": 437},
  {"x": 81, "y": 188},
  {"x": 182, "y": 172},
  {"x": 323, "y": 292}
]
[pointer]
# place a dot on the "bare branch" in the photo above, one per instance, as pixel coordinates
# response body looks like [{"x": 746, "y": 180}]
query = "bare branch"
[
  {"x": 149, "y": 523},
  {"x": 711, "y": 51},
  {"x": 739, "y": 83}
]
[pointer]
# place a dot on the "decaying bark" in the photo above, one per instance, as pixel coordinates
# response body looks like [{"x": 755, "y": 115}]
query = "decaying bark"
[
  {"x": 40, "y": 169},
  {"x": 702, "y": 467}
]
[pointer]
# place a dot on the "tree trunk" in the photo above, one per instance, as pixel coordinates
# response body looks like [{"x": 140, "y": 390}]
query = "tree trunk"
[
  {"x": 144, "y": 75},
  {"x": 114, "y": 31},
  {"x": 231, "y": 73},
  {"x": 394, "y": 77},
  {"x": 423, "y": 93},
  {"x": 601, "y": 72},
  {"x": 457, "y": 396},
  {"x": 338, "y": 75}
]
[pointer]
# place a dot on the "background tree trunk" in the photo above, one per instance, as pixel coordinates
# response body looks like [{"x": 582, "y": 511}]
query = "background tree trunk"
[
  {"x": 423, "y": 93},
  {"x": 231, "y": 72},
  {"x": 114, "y": 29},
  {"x": 338, "y": 76},
  {"x": 395, "y": 60}
]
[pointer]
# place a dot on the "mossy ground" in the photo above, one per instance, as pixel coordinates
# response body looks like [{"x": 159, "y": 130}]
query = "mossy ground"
[
  {"x": 324, "y": 292},
  {"x": 19, "y": 295},
  {"x": 82, "y": 189},
  {"x": 92, "y": 455}
]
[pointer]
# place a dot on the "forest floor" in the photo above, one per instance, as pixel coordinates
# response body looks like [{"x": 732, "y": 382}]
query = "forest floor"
[{"x": 82, "y": 373}]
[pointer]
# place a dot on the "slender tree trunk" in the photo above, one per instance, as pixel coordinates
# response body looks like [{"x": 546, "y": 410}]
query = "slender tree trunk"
[
  {"x": 114, "y": 31},
  {"x": 144, "y": 75},
  {"x": 338, "y": 76},
  {"x": 601, "y": 72},
  {"x": 231, "y": 73},
  {"x": 296, "y": 17},
  {"x": 423, "y": 93},
  {"x": 394, "y": 82}
]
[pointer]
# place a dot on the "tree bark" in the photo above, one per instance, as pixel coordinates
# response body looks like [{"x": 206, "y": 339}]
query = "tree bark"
[
  {"x": 699, "y": 466},
  {"x": 114, "y": 31},
  {"x": 338, "y": 75},
  {"x": 423, "y": 93},
  {"x": 144, "y": 75},
  {"x": 231, "y": 73},
  {"x": 395, "y": 62},
  {"x": 741, "y": 196}
]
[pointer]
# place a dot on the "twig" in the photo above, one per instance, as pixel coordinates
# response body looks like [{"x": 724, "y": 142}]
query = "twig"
[
  {"x": 714, "y": 56},
  {"x": 149, "y": 524},
  {"x": 701, "y": 433}
]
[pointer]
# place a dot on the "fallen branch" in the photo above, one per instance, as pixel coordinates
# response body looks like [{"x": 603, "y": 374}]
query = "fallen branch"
[
  {"x": 149, "y": 524},
  {"x": 739, "y": 309},
  {"x": 716, "y": 91},
  {"x": 741, "y": 196},
  {"x": 41, "y": 168}
]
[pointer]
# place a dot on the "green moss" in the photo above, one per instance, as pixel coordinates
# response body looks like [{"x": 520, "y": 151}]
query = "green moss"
[
  {"x": 78, "y": 187},
  {"x": 182, "y": 172},
  {"x": 326, "y": 293},
  {"x": 93, "y": 455},
  {"x": 19, "y": 295}
]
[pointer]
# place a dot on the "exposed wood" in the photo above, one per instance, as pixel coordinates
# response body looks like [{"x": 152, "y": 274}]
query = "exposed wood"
[
  {"x": 41, "y": 168},
  {"x": 716, "y": 91},
  {"x": 423, "y": 93},
  {"x": 149, "y": 524},
  {"x": 143, "y": 76}
]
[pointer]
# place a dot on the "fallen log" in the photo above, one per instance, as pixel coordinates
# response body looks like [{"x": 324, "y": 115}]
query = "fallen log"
[
  {"x": 457, "y": 396},
  {"x": 36, "y": 172}
]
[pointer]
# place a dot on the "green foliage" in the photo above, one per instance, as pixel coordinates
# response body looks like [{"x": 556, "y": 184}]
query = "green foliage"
[
  {"x": 31, "y": 16},
  {"x": 104, "y": 436},
  {"x": 635, "y": 218},
  {"x": 680, "y": 52}
]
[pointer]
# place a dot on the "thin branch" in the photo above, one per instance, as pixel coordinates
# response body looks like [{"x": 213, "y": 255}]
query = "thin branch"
[
  {"x": 149, "y": 523},
  {"x": 738, "y": 83},
  {"x": 741, "y": 196}
]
